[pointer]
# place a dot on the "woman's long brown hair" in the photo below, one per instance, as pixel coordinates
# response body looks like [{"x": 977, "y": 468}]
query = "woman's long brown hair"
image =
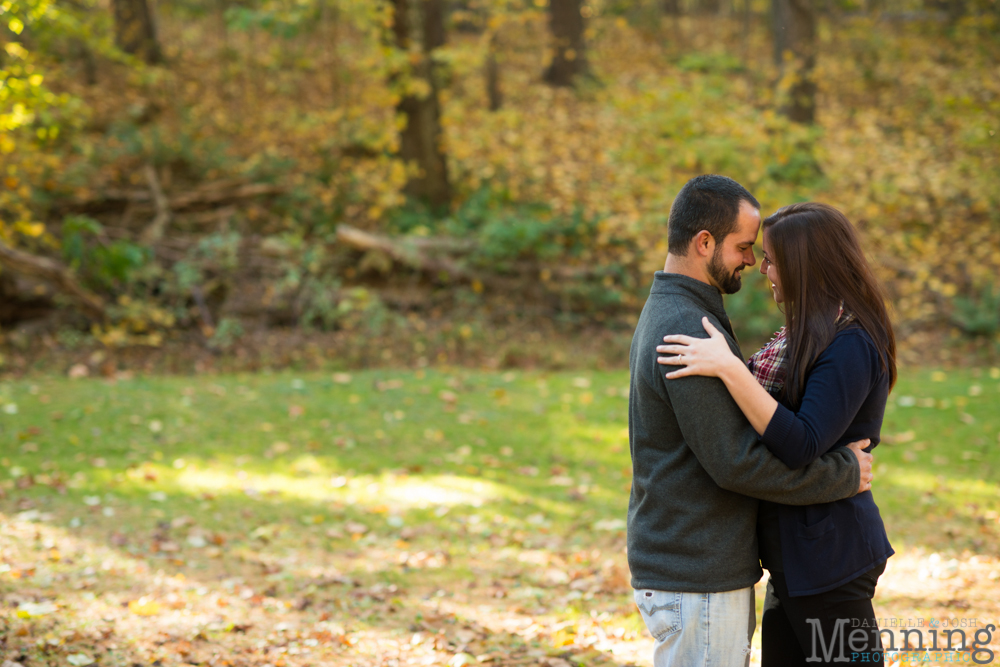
[{"x": 821, "y": 264}]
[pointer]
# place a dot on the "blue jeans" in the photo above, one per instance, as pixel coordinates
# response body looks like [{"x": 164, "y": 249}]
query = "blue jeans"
[{"x": 699, "y": 629}]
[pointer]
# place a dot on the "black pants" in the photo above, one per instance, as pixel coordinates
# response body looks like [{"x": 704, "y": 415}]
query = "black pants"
[{"x": 836, "y": 624}]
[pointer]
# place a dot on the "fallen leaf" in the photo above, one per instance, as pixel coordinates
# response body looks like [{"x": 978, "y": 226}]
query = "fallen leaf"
[
  {"x": 35, "y": 609},
  {"x": 389, "y": 384},
  {"x": 355, "y": 528},
  {"x": 145, "y": 606},
  {"x": 461, "y": 659}
]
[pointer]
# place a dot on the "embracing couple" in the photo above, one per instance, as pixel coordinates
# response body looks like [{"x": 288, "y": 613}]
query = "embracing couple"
[{"x": 739, "y": 465}]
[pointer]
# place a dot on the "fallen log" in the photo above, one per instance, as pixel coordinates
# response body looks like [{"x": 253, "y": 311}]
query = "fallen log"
[
  {"x": 208, "y": 197},
  {"x": 203, "y": 197},
  {"x": 406, "y": 252},
  {"x": 442, "y": 244},
  {"x": 56, "y": 274},
  {"x": 422, "y": 253}
]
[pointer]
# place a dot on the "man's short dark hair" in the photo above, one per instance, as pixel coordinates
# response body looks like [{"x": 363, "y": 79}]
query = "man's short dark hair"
[{"x": 710, "y": 202}]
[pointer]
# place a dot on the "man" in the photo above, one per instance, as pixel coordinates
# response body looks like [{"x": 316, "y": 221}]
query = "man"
[{"x": 698, "y": 466}]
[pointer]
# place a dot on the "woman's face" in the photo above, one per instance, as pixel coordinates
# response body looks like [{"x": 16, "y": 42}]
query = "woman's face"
[{"x": 768, "y": 268}]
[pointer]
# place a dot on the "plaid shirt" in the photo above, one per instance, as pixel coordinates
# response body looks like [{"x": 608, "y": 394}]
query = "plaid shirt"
[{"x": 767, "y": 363}]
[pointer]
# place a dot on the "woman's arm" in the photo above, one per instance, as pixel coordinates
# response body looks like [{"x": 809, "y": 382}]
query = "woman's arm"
[
  {"x": 838, "y": 385},
  {"x": 712, "y": 357}
]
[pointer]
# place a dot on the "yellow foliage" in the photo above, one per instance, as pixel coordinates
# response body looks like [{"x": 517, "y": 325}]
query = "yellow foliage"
[
  {"x": 32, "y": 229},
  {"x": 905, "y": 141}
]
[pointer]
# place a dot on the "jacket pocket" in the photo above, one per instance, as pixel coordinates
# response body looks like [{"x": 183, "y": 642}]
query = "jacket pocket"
[
  {"x": 816, "y": 530},
  {"x": 660, "y": 610}
]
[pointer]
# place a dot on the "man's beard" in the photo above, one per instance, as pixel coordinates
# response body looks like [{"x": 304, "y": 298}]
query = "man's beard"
[{"x": 729, "y": 283}]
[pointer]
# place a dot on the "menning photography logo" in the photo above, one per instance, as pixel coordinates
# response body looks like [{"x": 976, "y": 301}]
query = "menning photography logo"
[{"x": 910, "y": 640}]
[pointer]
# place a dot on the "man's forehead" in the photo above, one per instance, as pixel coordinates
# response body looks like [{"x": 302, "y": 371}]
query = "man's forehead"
[
  {"x": 743, "y": 239},
  {"x": 749, "y": 224}
]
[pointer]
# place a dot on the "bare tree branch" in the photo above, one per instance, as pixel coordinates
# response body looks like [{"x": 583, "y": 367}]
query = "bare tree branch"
[
  {"x": 208, "y": 324},
  {"x": 154, "y": 232}
]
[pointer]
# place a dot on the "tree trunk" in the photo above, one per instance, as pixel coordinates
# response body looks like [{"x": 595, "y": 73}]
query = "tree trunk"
[
  {"x": 135, "y": 29},
  {"x": 952, "y": 9},
  {"x": 671, "y": 7},
  {"x": 747, "y": 26},
  {"x": 709, "y": 7},
  {"x": 434, "y": 35},
  {"x": 420, "y": 140},
  {"x": 493, "y": 92},
  {"x": 956, "y": 10},
  {"x": 80, "y": 50},
  {"x": 569, "y": 57},
  {"x": 795, "y": 55}
]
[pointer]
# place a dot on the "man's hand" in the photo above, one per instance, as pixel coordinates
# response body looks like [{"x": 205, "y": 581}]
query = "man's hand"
[{"x": 864, "y": 462}]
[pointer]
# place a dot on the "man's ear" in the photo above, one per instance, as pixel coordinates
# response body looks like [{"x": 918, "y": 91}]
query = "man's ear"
[{"x": 704, "y": 243}]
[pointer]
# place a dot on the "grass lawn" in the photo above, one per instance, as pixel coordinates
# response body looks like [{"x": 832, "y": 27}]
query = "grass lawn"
[{"x": 402, "y": 517}]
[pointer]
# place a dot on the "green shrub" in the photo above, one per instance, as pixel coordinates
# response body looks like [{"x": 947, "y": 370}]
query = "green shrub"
[
  {"x": 100, "y": 263},
  {"x": 226, "y": 334},
  {"x": 979, "y": 315},
  {"x": 721, "y": 63}
]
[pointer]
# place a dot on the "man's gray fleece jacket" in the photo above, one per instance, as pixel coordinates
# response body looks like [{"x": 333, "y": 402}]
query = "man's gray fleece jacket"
[{"x": 698, "y": 467}]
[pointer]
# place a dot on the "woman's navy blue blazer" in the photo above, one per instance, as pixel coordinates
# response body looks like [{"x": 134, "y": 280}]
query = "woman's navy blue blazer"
[{"x": 825, "y": 546}]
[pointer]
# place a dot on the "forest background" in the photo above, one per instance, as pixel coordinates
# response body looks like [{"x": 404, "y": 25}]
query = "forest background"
[
  {"x": 258, "y": 184},
  {"x": 430, "y": 225}
]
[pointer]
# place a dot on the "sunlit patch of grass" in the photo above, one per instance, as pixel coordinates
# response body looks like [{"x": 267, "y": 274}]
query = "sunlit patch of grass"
[
  {"x": 938, "y": 468},
  {"x": 959, "y": 488},
  {"x": 387, "y": 490}
]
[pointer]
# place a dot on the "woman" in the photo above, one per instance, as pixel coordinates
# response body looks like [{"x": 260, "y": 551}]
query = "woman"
[{"x": 822, "y": 382}]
